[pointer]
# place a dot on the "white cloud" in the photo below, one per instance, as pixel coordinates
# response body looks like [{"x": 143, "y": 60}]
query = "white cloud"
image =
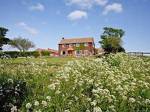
[
  {"x": 86, "y": 4},
  {"x": 76, "y": 15},
  {"x": 29, "y": 29},
  {"x": 37, "y": 7},
  {"x": 115, "y": 7},
  {"x": 101, "y": 2}
]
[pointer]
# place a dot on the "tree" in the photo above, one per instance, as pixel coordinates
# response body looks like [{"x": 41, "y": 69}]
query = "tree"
[
  {"x": 22, "y": 44},
  {"x": 3, "y": 39},
  {"x": 111, "y": 40}
]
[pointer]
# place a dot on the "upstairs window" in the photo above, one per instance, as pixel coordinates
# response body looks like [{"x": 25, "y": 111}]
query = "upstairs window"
[{"x": 63, "y": 45}]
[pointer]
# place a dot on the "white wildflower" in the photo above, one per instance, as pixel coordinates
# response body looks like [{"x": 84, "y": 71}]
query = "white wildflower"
[
  {"x": 147, "y": 101},
  {"x": 14, "y": 109},
  {"x": 67, "y": 110},
  {"x": 57, "y": 92},
  {"x": 97, "y": 109},
  {"x": 52, "y": 86},
  {"x": 38, "y": 110},
  {"x": 48, "y": 98},
  {"x": 132, "y": 100},
  {"x": 28, "y": 105},
  {"x": 10, "y": 80},
  {"x": 124, "y": 97},
  {"x": 36, "y": 103},
  {"x": 87, "y": 111},
  {"x": 94, "y": 102},
  {"x": 44, "y": 103}
]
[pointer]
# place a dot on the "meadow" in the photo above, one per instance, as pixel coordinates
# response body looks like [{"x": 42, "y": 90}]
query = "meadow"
[{"x": 114, "y": 83}]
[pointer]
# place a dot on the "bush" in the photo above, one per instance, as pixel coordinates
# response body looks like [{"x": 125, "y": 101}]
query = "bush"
[
  {"x": 12, "y": 94},
  {"x": 15, "y": 54},
  {"x": 36, "y": 54},
  {"x": 12, "y": 54},
  {"x": 45, "y": 53}
]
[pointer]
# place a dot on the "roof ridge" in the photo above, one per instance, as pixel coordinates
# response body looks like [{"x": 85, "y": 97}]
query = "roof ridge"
[{"x": 76, "y": 40}]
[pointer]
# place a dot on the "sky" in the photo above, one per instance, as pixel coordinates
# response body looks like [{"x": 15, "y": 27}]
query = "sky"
[{"x": 45, "y": 22}]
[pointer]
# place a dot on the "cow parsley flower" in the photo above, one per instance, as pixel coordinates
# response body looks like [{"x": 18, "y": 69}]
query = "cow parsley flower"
[
  {"x": 94, "y": 102},
  {"x": 97, "y": 109},
  {"x": 132, "y": 100},
  {"x": 28, "y": 105},
  {"x": 44, "y": 103},
  {"x": 14, "y": 109},
  {"x": 67, "y": 110},
  {"x": 147, "y": 101},
  {"x": 36, "y": 103},
  {"x": 87, "y": 111},
  {"x": 52, "y": 86},
  {"x": 48, "y": 98}
]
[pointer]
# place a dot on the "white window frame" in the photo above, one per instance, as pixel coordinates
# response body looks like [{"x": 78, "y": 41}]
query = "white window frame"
[{"x": 77, "y": 45}]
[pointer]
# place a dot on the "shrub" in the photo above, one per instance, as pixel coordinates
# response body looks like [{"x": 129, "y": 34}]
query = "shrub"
[
  {"x": 15, "y": 54},
  {"x": 36, "y": 54},
  {"x": 12, "y": 54},
  {"x": 45, "y": 53},
  {"x": 12, "y": 94}
]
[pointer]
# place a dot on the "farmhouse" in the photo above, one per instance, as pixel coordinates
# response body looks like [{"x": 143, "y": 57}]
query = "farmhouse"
[{"x": 76, "y": 47}]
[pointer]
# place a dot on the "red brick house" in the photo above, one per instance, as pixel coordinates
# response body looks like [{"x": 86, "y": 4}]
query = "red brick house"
[{"x": 76, "y": 47}]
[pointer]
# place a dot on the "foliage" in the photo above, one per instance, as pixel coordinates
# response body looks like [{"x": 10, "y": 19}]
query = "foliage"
[
  {"x": 45, "y": 53},
  {"x": 12, "y": 54},
  {"x": 36, "y": 54},
  {"x": 15, "y": 54},
  {"x": 22, "y": 44},
  {"x": 3, "y": 39},
  {"x": 117, "y": 83},
  {"x": 81, "y": 47},
  {"x": 12, "y": 94},
  {"x": 111, "y": 40}
]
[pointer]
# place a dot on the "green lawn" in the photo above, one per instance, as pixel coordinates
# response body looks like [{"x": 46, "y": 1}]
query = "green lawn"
[{"x": 50, "y": 60}]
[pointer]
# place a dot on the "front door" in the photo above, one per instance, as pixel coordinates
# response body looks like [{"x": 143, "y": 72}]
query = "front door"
[{"x": 70, "y": 53}]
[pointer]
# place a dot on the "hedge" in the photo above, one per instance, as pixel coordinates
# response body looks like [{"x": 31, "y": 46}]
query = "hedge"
[{"x": 15, "y": 54}]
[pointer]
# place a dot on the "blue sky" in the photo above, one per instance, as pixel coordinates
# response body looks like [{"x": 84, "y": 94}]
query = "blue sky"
[{"x": 45, "y": 22}]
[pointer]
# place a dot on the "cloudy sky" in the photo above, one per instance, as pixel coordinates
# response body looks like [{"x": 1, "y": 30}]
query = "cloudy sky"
[{"x": 45, "y": 22}]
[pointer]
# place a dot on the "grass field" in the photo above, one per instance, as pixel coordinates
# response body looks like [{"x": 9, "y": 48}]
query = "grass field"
[
  {"x": 50, "y": 60},
  {"x": 116, "y": 83}
]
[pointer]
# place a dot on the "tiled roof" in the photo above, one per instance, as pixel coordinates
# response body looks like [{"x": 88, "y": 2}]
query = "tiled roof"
[
  {"x": 49, "y": 49},
  {"x": 76, "y": 40},
  {"x": 52, "y": 50}
]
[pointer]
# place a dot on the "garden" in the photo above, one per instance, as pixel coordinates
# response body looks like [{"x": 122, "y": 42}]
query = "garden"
[{"x": 113, "y": 83}]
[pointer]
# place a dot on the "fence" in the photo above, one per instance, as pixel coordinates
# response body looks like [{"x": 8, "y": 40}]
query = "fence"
[{"x": 139, "y": 53}]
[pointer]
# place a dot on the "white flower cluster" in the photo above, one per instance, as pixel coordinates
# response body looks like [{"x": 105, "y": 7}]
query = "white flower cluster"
[{"x": 117, "y": 83}]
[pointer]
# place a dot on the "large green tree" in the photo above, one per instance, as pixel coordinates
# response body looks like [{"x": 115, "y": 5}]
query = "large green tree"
[
  {"x": 3, "y": 39},
  {"x": 111, "y": 40},
  {"x": 22, "y": 44}
]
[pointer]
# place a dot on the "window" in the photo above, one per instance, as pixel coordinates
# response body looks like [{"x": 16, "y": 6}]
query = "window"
[
  {"x": 70, "y": 45},
  {"x": 67, "y": 45},
  {"x": 85, "y": 44},
  {"x": 73, "y": 44},
  {"x": 63, "y": 46},
  {"x": 78, "y": 52},
  {"x": 77, "y": 45}
]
